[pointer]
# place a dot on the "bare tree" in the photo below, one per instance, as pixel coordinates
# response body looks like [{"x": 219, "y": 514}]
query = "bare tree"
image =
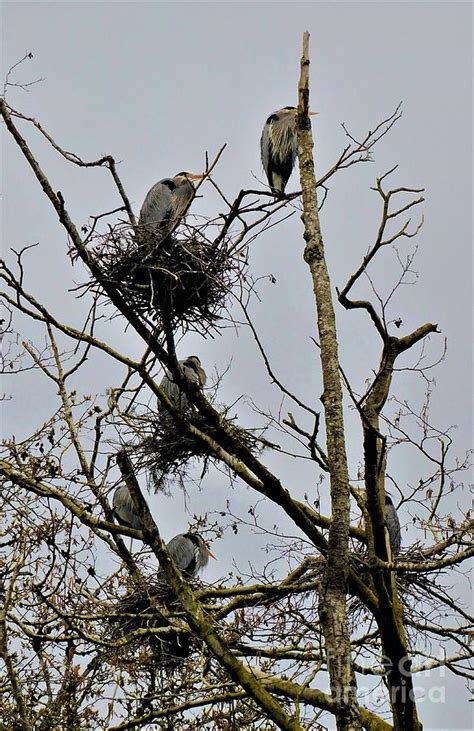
[{"x": 107, "y": 644}]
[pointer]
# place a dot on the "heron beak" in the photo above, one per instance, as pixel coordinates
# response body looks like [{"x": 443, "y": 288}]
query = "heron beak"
[
  {"x": 312, "y": 114},
  {"x": 196, "y": 178},
  {"x": 211, "y": 554}
]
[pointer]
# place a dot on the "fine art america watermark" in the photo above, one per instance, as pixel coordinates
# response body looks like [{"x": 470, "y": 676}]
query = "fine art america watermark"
[{"x": 405, "y": 686}]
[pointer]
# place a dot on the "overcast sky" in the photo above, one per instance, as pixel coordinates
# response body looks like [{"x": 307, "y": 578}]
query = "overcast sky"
[{"x": 159, "y": 84}]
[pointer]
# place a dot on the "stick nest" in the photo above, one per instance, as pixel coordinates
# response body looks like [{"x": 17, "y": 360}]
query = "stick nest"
[
  {"x": 182, "y": 279},
  {"x": 167, "y": 449},
  {"x": 415, "y": 588},
  {"x": 145, "y": 610}
]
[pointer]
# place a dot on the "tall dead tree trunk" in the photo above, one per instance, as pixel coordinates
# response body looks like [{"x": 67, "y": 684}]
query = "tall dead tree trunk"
[
  {"x": 390, "y": 614},
  {"x": 332, "y": 599}
]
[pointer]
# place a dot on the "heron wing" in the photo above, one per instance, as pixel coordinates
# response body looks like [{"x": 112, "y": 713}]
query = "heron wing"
[
  {"x": 265, "y": 149},
  {"x": 282, "y": 137},
  {"x": 124, "y": 509},
  {"x": 394, "y": 530},
  {"x": 278, "y": 152},
  {"x": 157, "y": 207},
  {"x": 173, "y": 391},
  {"x": 182, "y": 550}
]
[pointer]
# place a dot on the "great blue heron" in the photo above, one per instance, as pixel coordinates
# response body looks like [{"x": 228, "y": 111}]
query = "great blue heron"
[
  {"x": 124, "y": 508},
  {"x": 392, "y": 522},
  {"x": 190, "y": 553},
  {"x": 166, "y": 203},
  {"x": 393, "y": 526},
  {"x": 193, "y": 372},
  {"x": 278, "y": 148}
]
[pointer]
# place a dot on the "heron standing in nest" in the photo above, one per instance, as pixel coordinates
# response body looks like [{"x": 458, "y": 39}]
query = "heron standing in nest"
[
  {"x": 190, "y": 553},
  {"x": 166, "y": 203}
]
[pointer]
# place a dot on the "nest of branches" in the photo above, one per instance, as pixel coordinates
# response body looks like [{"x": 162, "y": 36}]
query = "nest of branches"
[
  {"x": 415, "y": 588},
  {"x": 144, "y": 617},
  {"x": 182, "y": 279},
  {"x": 167, "y": 450}
]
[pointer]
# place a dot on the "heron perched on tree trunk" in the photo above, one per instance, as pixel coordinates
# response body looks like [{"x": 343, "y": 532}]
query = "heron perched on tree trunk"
[
  {"x": 124, "y": 508},
  {"x": 166, "y": 203},
  {"x": 392, "y": 523},
  {"x": 190, "y": 553},
  {"x": 393, "y": 526},
  {"x": 193, "y": 372},
  {"x": 278, "y": 148}
]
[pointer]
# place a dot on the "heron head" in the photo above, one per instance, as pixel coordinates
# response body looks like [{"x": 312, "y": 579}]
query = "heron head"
[
  {"x": 185, "y": 177},
  {"x": 193, "y": 362},
  {"x": 292, "y": 111},
  {"x": 286, "y": 113},
  {"x": 194, "y": 359},
  {"x": 204, "y": 550}
]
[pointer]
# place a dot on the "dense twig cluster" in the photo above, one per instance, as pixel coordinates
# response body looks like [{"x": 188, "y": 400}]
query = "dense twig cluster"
[
  {"x": 166, "y": 448},
  {"x": 182, "y": 279},
  {"x": 142, "y": 616},
  {"x": 416, "y": 589}
]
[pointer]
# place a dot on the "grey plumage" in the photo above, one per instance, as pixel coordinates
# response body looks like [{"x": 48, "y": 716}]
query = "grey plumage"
[
  {"x": 392, "y": 522},
  {"x": 192, "y": 370},
  {"x": 278, "y": 148},
  {"x": 166, "y": 203},
  {"x": 124, "y": 508},
  {"x": 190, "y": 553},
  {"x": 393, "y": 526}
]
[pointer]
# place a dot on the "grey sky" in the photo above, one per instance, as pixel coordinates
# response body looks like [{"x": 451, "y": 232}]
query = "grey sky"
[{"x": 159, "y": 84}]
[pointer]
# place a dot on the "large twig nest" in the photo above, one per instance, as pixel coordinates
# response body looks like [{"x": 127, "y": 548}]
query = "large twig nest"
[
  {"x": 416, "y": 589},
  {"x": 167, "y": 450},
  {"x": 182, "y": 278},
  {"x": 145, "y": 607}
]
